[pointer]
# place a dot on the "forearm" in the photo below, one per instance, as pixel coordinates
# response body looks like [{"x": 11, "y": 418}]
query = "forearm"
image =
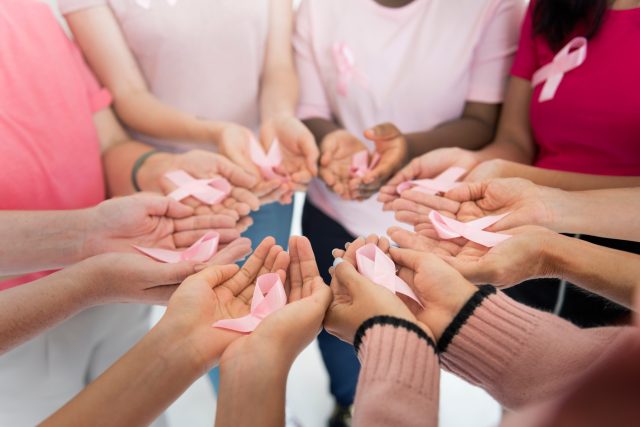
[
  {"x": 41, "y": 240},
  {"x": 611, "y": 213},
  {"x": 607, "y": 272},
  {"x": 321, "y": 128},
  {"x": 520, "y": 355},
  {"x": 505, "y": 149},
  {"x": 28, "y": 310},
  {"x": 279, "y": 95},
  {"x": 466, "y": 132},
  {"x": 252, "y": 391},
  {"x": 138, "y": 387}
]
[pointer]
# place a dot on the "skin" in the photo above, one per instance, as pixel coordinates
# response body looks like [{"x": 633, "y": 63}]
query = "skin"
[
  {"x": 101, "y": 40},
  {"x": 66, "y": 237},
  {"x": 178, "y": 350}
]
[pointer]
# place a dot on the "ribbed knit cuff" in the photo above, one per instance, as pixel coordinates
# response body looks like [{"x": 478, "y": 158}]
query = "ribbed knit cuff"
[
  {"x": 490, "y": 338},
  {"x": 397, "y": 351}
]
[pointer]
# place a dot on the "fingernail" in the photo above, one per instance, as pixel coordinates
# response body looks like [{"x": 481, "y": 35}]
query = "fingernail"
[{"x": 337, "y": 262}]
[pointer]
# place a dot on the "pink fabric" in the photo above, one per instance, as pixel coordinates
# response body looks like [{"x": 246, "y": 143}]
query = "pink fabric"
[
  {"x": 440, "y": 184},
  {"x": 361, "y": 165},
  {"x": 203, "y": 57},
  {"x": 267, "y": 161},
  {"x": 376, "y": 266},
  {"x": 209, "y": 191},
  {"x": 421, "y": 62},
  {"x": 591, "y": 125},
  {"x": 50, "y": 153},
  {"x": 449, "y": 228},
  {"x": 201, "y": 251},
  {"x": 269, "y": 296}
]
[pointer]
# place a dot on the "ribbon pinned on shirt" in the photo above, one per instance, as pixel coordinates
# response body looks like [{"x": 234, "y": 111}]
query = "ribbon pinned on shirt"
[
  {"x": 266, "y": 161},
  {"x": 449, "y": 228},
  {"x": 376, "y": 266},
  {"x": 360, "y": 163},
  {"x": 201, "y": 251},
  {"x": 569, "y": 58},
  {"x": 440, "y": 184},
  {"x": 268, "y": 297},
  {"x": 209, "y": 191},
  {"x": 347, "y": 72}
]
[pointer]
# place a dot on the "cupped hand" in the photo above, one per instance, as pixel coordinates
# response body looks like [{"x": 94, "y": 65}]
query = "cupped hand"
[
  {"x": 439, "y": 287},
  {"x": 336, "y": 154},
  {"x": 393, "y": 149},
  {"x": 428, "y": 165},
  {"x": 217, "y": 293}
]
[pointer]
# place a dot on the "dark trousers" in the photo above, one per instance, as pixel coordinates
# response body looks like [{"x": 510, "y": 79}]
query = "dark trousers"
[
  {"x": 580, "y": 307},
  {"x": 339, "y": 357}
]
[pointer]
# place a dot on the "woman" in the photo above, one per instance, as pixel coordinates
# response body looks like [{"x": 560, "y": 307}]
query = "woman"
[
  {"x": 436, "y": 69},
  {"x": 582, "y": 132}
]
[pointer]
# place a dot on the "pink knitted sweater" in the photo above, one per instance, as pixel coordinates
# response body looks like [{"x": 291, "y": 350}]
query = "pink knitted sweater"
[{"x": 521, "y": 356}]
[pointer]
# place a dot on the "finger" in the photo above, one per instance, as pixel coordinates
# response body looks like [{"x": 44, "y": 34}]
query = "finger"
[
  {"x": 295, "y": 273},
  {"x": 350, "y": 255},
  {"x": 204, "y": 222},
  {"x": 245, "y": 196},
  {"x": 170, "y": 274},
  {"x": 349, "y": 278},
  {"x": 157, "y": 205},
  {"x": 234, "y": 252},
  {"x": 384, "y": 244},
  {"x": 308, "y": 266},
  {"x": 338, "y": 253},
  {"x": 382, "y": 132},
  {"x": 405, "y": 258},
  {"x": 249, "y": 271},
  {"x": 409, "y": 217},
  {"x": 310, "y": 151},
  {"x": 244, "y": 223},
  {"x": 329, "y": 146},
  {"x": 216, "y": 275},
  {"x": 408, "y": 173},
  {"x": 407, "y": 239},
  {"x": 467, "y": 191},
  {"x": 431, "y": 202}
]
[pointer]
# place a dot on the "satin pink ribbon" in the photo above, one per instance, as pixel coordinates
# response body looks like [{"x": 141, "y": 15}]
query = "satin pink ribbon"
[
  {"x": 376, "y": 266},
  {"x": 360, "y": 164},
  {"x": 268, "y": 296},
  {"x": 201, "y": 251},
  {"x": 209, "y": 191},
  {"x": 347, "y": 71},
  {"x": 449, "y": 228},
  {"x": 146, "y": 4},
  {"x": 440, "y": 184},
  {"x": 266, "y": 161},
  {"x": 569, "y": 58}
]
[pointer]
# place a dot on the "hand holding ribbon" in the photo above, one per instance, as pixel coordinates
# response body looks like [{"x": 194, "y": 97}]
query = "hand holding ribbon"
[
  {"x": 209, "y": 191},
  {"x": 201, "y": 251},
  {"x": 449, "y": 228},
  {"x": 361, "y": 165}
]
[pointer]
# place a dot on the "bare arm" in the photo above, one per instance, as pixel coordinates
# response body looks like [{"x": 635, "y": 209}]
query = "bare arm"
[{"x": 97, "y": 32}]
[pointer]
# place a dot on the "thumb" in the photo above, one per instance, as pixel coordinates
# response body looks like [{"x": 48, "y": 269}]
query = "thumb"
[
  {"x": 217, "y": 275},
  {"x": 382, "y": 132},
  {"x": 310, "y": 152},
  {"x": 405, "y": 257},
  {"x": 349, "y": 277},
  {"x": 157, "y": 205},
  {"x": 467, "y": 191},
  {"x": 235, "y": 174}
]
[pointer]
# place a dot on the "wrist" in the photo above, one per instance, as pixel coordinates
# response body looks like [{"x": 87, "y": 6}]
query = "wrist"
[
  {"x": 555, "y": 251},
  {"x": 150, "y": 174}
]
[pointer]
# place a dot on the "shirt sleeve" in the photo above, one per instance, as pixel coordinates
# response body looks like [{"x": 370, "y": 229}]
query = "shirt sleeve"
[
  {"x": 313, "y": 99},
  {"x": 69, "y": 6},
  {"x": 99, "y": 97},
  {"x": 526, "y": 62},
  {"x": 495, "y": 50}
]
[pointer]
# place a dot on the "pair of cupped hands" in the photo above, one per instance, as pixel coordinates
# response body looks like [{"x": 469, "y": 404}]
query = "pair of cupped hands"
[{"x": 222, "y": 292}]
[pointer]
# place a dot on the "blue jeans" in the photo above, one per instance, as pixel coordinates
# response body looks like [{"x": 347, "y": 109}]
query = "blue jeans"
[{"x": 271, "y": 220}]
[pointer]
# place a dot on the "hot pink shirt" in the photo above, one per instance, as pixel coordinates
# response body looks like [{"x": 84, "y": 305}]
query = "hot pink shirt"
[
  {"x": 49, "y": 147},
  {"x": 592, "y": 125},
  {"x": 415, "y": 66}
]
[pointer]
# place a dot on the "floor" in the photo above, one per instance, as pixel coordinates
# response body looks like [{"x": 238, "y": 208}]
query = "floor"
[{"x": 309, "y": 403}]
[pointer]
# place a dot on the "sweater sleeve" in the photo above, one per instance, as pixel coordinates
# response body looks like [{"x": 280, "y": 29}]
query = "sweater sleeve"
[
  {"x": 520, "y": 355},
  {"x": 400, "y": 376}
]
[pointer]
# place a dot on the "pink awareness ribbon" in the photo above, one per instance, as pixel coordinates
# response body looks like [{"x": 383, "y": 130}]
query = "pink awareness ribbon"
[
  {"x": 449, "y": 228},
  {"x": 268, "y": 296},
  {"x": 376, "y": 266},
  {"x": 209, "y": 191},
  {"x": 266, "y": 161},
  {"x": 440, "y": 184},
  {"x": 201, "y": 251},
  {"x": 569, "y": 58},
  {"x": 360, "y": 164},
  {"x": 146, "y": 4},
  {"x": 347, "y": 71}
]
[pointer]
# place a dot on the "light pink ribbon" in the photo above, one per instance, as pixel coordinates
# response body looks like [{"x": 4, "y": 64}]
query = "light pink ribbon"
[
  {"x": 146, "y": 4},
  {"x": 376, "y": 266},
  {"x": 347, "y": 71},
  {"x": 360, "y": 164},
  {"x": 266, "y": 161},
  {"x": 569, "y": 58},
  {"x": 210, "y": 191},
  {"x": 440, "y": 184},
  {"x": 268, "y": 296},
  {"x": 201, "y": 251},
  {"x": 449, "y": 228}
]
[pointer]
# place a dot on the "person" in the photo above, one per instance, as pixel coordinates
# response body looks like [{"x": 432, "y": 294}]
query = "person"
[
  {"x": 434, "y": 71},
  {"x": 63, "y": 150},
  {"x": 567, "y": 136},
  {"x": 213, "y": 86}
]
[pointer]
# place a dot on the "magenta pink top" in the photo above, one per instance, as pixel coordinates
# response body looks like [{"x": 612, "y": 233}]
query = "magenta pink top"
[{"x": 592, "y": 125}]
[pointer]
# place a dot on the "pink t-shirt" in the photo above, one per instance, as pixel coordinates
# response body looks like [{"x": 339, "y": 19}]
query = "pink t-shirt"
[
  {"x": 49, "y": 147},
  {"x": 592, "y": 125},
  {"x": 203, "y": 57},
  {"x": 415, "y": 66}
]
